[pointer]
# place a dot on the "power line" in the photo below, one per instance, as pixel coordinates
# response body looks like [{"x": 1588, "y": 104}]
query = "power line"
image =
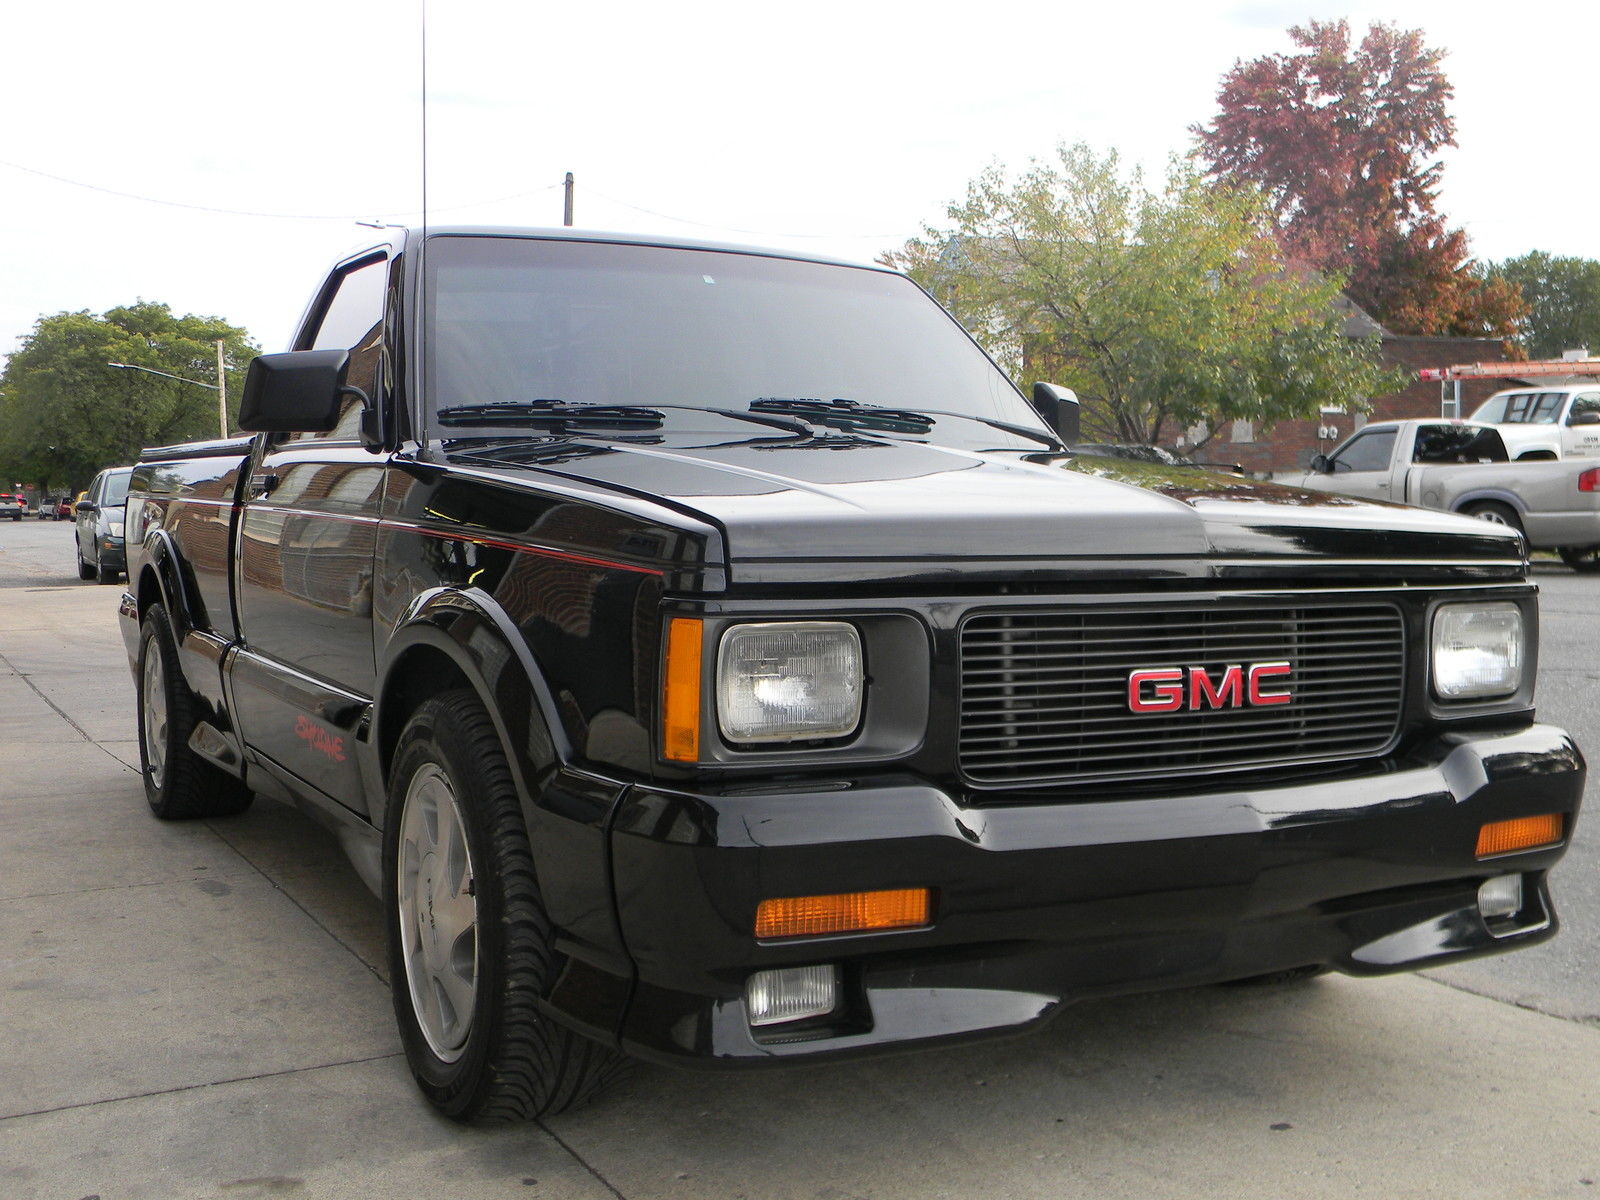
[{"x": 244, "y": 212}]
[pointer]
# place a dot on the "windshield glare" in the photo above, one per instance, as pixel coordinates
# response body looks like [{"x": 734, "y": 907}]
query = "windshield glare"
[{"x": 514, "y": 320}]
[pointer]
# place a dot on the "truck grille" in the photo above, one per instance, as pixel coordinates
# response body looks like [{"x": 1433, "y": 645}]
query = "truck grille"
[{"x": 1044, "y": 695}]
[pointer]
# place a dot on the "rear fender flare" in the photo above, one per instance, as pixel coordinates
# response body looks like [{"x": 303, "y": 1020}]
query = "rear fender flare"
[{"x": 1499, "y": 495}]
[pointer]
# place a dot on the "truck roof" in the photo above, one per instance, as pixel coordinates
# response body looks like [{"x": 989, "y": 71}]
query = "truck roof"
[{"x": 410, "y": 234}]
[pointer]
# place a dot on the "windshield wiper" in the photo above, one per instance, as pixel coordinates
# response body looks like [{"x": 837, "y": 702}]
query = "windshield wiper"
[
  {"x": 848, "y": 415},
  {"x": 851, "y": 415},
  {"x": 559, "y": 415}
]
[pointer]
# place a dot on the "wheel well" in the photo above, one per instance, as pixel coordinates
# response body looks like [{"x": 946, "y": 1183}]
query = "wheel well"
[
  {"x": 1537, "y": 456},
  {"x": 421, "y": 672},
  {"x": 149, "y": 591}
]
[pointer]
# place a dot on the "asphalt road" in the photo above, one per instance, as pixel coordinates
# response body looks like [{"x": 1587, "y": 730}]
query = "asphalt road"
[{"x": 200, "y": 1010}]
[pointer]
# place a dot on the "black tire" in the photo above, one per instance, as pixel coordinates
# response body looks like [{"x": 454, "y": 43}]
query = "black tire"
[
  {"x": 85, "y": 570},
  {"x": 1583, "y": 559},
  {"x": 181, "y": 785},
  {"x": 509, "y": 1062},
  {"x": 1495, "y": 513}
]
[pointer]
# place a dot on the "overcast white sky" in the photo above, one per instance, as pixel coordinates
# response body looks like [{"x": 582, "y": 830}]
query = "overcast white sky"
[{"x": 851, "y": 124}]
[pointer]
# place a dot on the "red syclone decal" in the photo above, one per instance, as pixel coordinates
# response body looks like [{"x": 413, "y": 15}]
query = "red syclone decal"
[
  {"x": 1162, "y": 689},
  {"x": 319, "y": 738}
]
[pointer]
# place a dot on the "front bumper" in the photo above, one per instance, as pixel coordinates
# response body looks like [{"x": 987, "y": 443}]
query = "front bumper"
[{"x": 1040, "y": 903}]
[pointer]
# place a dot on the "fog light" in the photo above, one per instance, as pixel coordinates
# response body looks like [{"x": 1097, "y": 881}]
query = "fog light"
[
  {"x": 791, "y": 994},
  {"x": 1500, "y": 896}
]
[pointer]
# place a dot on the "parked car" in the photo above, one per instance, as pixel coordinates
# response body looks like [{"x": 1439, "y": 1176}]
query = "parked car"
[
  {"x": 64, "y": 508},
  {"x": 1464, "y": 467},
  {"x": 708, "y": 654},
  {"x": 101, "y": 517},
  {"x": 13, "y": 505},
  {"x": 1546, "y": 422},
  {"x": 55, "y": 508}
]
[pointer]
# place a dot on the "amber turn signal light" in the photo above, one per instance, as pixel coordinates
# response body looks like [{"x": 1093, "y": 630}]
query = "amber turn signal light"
[
  {"x": 680, "y": 692},
  {"x": 1519, "y": 833},
  {"x": 847, "y": 912}
]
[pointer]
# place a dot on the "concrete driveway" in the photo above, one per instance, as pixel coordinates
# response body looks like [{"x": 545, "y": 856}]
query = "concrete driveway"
[{"x": 200, "y": 1010}]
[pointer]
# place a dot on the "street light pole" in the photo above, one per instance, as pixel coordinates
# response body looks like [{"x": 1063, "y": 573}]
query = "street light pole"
[{"x": 222, "y": 395}]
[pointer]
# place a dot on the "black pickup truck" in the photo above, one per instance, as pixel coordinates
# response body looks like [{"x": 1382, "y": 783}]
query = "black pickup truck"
[{"x": 709, "y": 655}]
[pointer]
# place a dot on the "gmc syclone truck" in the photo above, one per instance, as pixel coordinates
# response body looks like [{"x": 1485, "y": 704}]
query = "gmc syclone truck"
[{"x": 709, "y": 655}]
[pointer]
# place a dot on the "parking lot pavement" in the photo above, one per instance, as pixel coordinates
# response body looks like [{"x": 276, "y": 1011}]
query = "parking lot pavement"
[{"x": 198, "y": 1010}]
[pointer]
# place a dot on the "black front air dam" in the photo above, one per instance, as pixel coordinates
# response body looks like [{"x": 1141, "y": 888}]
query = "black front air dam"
[{"x": 1039, "y": 903}]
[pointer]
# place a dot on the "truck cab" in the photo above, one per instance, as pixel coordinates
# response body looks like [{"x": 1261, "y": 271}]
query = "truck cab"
[{"x": 1546, "y": 421}]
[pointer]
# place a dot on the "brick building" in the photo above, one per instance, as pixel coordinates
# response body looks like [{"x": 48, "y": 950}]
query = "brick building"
[{"x": 1289, "y": 445}]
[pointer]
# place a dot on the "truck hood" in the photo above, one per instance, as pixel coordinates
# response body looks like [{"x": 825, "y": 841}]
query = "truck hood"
[{"x": 862, "y": 507}]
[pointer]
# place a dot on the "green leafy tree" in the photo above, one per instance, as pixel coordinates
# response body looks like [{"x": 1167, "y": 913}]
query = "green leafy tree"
[
  {"x": 1342, "y": 139},
  {"x": 1563, "y": 296},
  {"x": 1163, "y": 309},
  {"x": 65, "y": 412}
]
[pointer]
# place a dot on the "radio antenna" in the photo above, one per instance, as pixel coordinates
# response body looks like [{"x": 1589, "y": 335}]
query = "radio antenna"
[{"x": 420, "y": 406}]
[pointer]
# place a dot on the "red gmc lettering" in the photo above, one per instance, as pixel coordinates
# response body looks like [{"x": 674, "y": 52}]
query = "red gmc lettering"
[
  {"x": 1228, "y": 694},
  {"x": 1167, "y": 690},
  {"x": 1161, "y": 689},
  {"x": 1261, "y": 671}
]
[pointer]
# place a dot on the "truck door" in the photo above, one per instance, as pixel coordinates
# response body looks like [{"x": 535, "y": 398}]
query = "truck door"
[
  {"x": 303, "y": 681},
  {"x": 1361, "y": 467},
  {"x": 1580, "y": 429}
]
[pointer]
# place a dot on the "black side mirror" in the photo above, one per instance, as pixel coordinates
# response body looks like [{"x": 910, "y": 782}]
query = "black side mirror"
[
  {"x": 1584, "y": 418},
  {"x": 296, "y": 392},
  {"x": 1319, "y": 465},
  {"x": 85, "y": 506},
  {"x": 1059, "y": 408}
]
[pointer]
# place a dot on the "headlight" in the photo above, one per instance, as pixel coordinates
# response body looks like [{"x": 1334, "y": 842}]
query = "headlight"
[
  {"x": 786, "y": 681},
  {"x": 1477, "y": 650},
  {"x": 116, "y": 529}
]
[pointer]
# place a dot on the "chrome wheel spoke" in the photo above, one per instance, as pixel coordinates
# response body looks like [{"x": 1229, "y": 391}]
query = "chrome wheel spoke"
[
  {"x": 438, "y": 912},
  {"x": 155, "y": 712}
]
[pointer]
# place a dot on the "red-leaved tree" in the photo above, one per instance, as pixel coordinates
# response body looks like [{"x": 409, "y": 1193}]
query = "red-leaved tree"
[{"x": 1342, "y": 139}]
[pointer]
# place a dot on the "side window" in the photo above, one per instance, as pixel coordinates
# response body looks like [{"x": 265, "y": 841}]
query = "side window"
[
  {"x": 353, "y": 321},
  {"x": 1365, "y": 452},
  {"x": 1547, "y": 408},
  {"x": 1519, "y": 408}
]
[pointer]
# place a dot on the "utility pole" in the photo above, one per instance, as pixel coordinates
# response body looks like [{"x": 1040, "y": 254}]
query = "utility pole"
[
  {"x": 222, "y": 392},
  {"x": 566, "y": 213}
]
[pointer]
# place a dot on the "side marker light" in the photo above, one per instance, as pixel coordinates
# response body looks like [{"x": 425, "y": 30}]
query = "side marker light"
[
  {"x": 1519, "y": 833},
  {"x": 848, "y": 912}
]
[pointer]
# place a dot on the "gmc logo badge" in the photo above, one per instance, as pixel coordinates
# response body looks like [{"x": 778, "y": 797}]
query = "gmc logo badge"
[{"x": 1168, "y": 689}]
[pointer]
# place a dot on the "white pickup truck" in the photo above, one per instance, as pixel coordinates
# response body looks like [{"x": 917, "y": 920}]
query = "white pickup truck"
[
  {"x": 1546, "y": 422},
  {"x": 1464, "y": 467}
]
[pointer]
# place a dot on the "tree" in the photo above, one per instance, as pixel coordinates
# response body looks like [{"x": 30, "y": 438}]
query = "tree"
[
  {"x": 65, "y": 413},
  {"x": 1163, "y": 310},
  {"x": 1342, "y": 141},
  {"x": 1563, "y": 297}
]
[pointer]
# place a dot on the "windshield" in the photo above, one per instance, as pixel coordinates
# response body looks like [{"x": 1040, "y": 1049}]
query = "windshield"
[
  {"x": 116, "y": 488},
  {"x": 546, "y": 325}
]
